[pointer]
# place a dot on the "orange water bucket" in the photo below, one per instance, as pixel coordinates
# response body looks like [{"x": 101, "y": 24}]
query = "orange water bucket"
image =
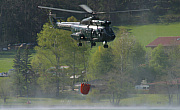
[{"x": 85, "y": 88}]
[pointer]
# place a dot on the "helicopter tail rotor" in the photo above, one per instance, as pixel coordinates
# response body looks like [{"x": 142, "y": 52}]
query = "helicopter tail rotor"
[{"x": 53, "y": 19}]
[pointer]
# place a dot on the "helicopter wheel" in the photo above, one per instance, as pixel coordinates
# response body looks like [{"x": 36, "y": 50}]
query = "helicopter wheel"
[
  {"x": 93, "y": 44},
  {"x": 105, "y": 46},
  {"x": 79, "y": 44}
]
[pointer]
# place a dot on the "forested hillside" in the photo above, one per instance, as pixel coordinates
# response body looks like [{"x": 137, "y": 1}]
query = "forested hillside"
[{"x": 21, "y": 20}]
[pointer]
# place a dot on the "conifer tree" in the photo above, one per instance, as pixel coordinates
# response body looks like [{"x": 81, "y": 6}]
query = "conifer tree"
[
  {"x": 26, "y": 66},
  {"x": 21, "y": 75},
  {"x": 17, "y": 77}
]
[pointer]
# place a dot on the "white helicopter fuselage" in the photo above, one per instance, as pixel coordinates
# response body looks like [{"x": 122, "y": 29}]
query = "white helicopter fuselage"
[
  {"x": 95, "y": 33},
  {"x": 76, "y": 25}
]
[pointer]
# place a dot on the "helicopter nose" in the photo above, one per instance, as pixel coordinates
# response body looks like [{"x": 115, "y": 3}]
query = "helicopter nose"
[
  {"x": 110, "y": 37},
  {"x": 113, "y": 36}
]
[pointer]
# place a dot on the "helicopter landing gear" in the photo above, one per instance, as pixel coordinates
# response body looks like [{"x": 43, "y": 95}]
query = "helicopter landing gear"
[
  {"x": 105, "y": 44},
  {"x": 79, "y": 44},
  {"x": 93, "y": 44}
]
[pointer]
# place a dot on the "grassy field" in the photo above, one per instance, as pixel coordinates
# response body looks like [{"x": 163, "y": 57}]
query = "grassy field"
[
  {"x": 135, "y": 100},
  {"x": 147, "y": 100},
  {"x": 6, "y": 60}
]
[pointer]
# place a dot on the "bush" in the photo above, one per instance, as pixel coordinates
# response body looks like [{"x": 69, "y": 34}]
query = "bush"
[{"x": 169, "y": 18}]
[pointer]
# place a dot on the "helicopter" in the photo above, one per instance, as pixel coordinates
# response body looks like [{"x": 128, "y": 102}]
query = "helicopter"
[{"x": 89, "y": 29}]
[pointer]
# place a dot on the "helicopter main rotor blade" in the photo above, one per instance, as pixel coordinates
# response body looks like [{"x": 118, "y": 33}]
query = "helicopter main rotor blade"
[
  {"x": 86, "y": 8},
  {"x": 128, "y": 11},
  {"x": 122, "y": 11},
  {"x": 59, "y": 9},
  {"x": 89, "y": 10}
]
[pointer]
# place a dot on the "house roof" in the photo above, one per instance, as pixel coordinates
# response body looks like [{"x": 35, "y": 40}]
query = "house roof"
[
  {"x": 165, "y": 41},
  {"x": 169, "y": 82}
]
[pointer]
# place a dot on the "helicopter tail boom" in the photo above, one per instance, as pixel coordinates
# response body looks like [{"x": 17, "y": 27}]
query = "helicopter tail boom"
[
  {"x": 66, "y": 25},
  {"x": 61, "y": 25}
]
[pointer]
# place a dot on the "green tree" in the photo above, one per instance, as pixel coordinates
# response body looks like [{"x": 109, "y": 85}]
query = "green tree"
[
  {"x": 172, "y": 73},
  {"x": 122, "y": 49},
  {"x": 137, "y": 63},
  {"x": 72, "y": 19},
  {"x": 5, "y": 88},
  {"x": 100, "y": 63},
  {"x": 17, "y": 77},
  {"x": 137, "y": 55},
  {"x": 119, "y": 86},
  {"x": 119, "y": 79},
  {"x": 159, "y": 61},
  {"x": 22, "y": 73},
  {"x": 46, "y": 84},
  {"x": 55, "y": 46},
  {"x": 26, "y": 69}
]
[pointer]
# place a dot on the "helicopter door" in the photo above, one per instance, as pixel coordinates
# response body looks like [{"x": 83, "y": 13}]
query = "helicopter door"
[{"x": 88, "y": 33}]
